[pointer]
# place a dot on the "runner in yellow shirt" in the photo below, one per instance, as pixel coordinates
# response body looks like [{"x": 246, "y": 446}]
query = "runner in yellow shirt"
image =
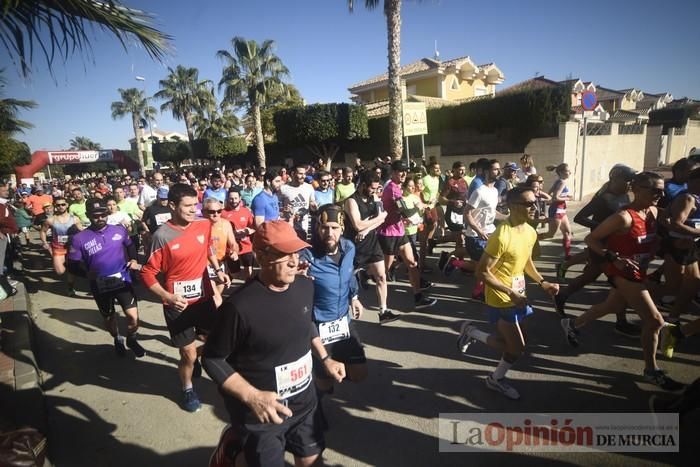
[{"x": 506, "y": 259}]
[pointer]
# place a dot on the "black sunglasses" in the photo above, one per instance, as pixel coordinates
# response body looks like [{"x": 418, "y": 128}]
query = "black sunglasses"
[
  {"x": 214, "y": 211},
  {"x": 528, "y": 204}
]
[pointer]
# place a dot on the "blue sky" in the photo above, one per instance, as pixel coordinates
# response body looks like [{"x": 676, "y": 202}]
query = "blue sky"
[{"x": 617, "y": 44}]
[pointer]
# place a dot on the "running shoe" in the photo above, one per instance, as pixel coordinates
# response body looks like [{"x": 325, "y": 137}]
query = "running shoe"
[
  {"x": 449, "y": 267},
  {"x": 667, "y": 340},
  {"x": 444, "y": 259},
  {"x": 658, "y": 377},
  {"x": 424, "y": 302},
  {"x": 190, "y": 401},
  {"x": 425, "y": 285},
  {"x": 561, "y": 271},
  {"x": 71, "y": 292},
  {"x": 197, "y": 369},
  {"x": 119, "y": 347},
  {"x": 135, "y": 347},
  {"x": 228, "y": 448},
  {"x": 559, "y": 304},
  {"x": 570, "y": 331},
  {"x": 627, "y": 329},
  {"x": 465, "y": 340},
  {"x": 387, "y": 316},
  {"x": 500, "y": 385},
  {"x": 13, "y": 282}
]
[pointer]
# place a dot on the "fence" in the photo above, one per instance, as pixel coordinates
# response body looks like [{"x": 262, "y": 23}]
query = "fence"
[{"x": 636, "y": 129}]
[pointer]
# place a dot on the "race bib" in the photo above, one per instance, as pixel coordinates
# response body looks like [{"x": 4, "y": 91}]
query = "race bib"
[
  {"x": 292, "y": 378},
  {"x": 518, "y": 284},
  {"x": 62, "y": 239},
  {"x": 162, "y": 218},
  {"x": 457, "y": 218},
  {"x": 188, "y": 289},
  {"x": 334, "y": 331},
  {"x": 110, "y": 283}
]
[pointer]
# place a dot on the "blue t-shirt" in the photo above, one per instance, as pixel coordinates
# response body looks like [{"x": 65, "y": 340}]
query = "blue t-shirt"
[
  {"x": 248, "y": 195},
  {"x": 219, "y": 194},
  {"x": 324, "y": 197},
  {"x": 673, "y": 189},
  {"x": 476, "y": 183},
  {"x": 267, "y": 205}
]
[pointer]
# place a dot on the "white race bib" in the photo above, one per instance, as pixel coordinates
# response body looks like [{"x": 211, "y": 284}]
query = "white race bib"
[
  {"x": 292, "y": 378},
  {"x": 188, "y": 289},
  {"x": 334, "y": 331},
  {"x": 62, "y": 239},
  {"x": 110, "y": 283},
  {"x": 213, "y": 272},
  {"x": 518, "y": 284},
  {"x": 162, "y": 218},
  {"x": 457, "y": 218}
]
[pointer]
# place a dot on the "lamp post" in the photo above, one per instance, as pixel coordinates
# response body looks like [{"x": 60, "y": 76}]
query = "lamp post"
[{"x": 148, "y": 118}]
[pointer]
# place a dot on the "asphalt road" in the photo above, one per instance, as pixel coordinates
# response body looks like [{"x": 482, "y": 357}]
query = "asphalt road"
[{"x": 110, "y": 411}]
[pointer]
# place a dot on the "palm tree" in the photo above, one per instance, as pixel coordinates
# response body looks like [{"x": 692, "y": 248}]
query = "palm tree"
[
  {"x": 213, "y": 124},
  {"x": 186, "y": 95},
  {"x": 83, "y": 143},
  {"x": 249, "y": 75},
  {"x": 133, "y": 102},
  {"x": 392, "y": 11},
  {"x": 9, "y": 109},
  {"x": 60, "y": 28}
]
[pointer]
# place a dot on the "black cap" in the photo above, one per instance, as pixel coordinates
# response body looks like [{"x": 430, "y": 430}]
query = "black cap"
[
  {"x": 95, "y": 205},
  {"x": 399, "y": 165}
]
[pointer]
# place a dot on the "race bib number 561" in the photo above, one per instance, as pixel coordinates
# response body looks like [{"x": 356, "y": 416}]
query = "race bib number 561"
[{"x": 292, "y": 378}]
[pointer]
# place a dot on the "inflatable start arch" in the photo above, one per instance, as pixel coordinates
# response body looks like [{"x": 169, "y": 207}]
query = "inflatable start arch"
[{"x": 41, "y": 159}]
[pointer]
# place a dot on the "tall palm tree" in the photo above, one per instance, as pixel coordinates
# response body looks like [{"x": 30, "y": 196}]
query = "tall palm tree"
[
  {"x": 249, "y": 75},
  {"x": 213, "y": 124},
  {"x": 392, "y": 11},
  {"x": 133, "y": 102},
  {"x": 83, "y": 143},
  {"x": 9, "y": 109},
  {"x": 61, "y": 27},
  {"x": 185, "y": 95}
]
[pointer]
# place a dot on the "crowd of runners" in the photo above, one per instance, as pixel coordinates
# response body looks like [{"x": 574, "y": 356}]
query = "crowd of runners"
[{"x": 260, "y": 272}]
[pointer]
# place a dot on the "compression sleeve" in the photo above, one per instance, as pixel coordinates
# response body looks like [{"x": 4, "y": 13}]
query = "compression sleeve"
[{"x": 583, "y": 217}]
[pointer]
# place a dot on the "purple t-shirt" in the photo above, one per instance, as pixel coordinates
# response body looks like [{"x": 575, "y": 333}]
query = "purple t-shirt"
[
  {"x": 393, "y": 225},
  {"x": 103, "y": 252}
]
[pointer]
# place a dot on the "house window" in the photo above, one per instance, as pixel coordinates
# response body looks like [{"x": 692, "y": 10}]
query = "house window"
[
  {"x": 455, "y": 84},
  {"x": 411, "y": 90},
  {"x": 480, "y": 91}
]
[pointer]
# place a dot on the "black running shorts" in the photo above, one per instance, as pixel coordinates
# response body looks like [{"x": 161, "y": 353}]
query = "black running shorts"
[
  {"x": 390, "y": 245},
  {"x": 125, "y": 296},
  {"x": 198, "y": 318},
  {"x": 350, "y": 351}
]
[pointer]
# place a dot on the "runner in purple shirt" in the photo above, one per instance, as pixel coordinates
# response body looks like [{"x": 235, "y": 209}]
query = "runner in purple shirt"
[
  {"x": 392, "y": 236},
  {"x": 105, "y": 255}
]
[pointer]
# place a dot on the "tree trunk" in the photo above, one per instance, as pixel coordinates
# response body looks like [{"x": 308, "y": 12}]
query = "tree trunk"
[
  {"x": 138, "y": 133},
  {"x": 259, "y": 138},
  {"x": 188, "y": 126},
  {"x": 392, "y": 11}
]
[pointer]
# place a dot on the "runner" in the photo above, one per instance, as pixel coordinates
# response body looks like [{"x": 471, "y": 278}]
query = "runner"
[
  {"x": 324, "y": 194},
  {"x": 507, "y": 258},
  {"x": 105, "y": 255},
  {"x": 250, "y": 191},
  {"x": 612, "y": 197},
  {"x": 223, "y": 241},
  {"x": 392, "y": 236},
  {"x": 627, "y": 240},
  {"x": 157, "y": 213},
  {"x": 454, "y": 198},
  {"x": 266, "y": 204},
  {"x": 78, "y": 207},
  {"x": 243, "y": 224},
  {"x": 344, "y": 187},
  {"x": 180, "y": 251},
  {"x": 297, "y": 200},
  {"x": 216, "y": 188},
  {"x": 432, "y": 187},
  {"x": 558, "y": 220},
  {"x": 149, "y": 193},
  {"x": 62, "y": 226},
  {"x": 336, "y": 301},
  {"x": 263, "y": 370},
  {"x": 365, "y": 215}
]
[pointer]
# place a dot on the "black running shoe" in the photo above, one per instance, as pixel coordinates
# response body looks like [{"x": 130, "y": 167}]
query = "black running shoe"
[
  {"x": 659, "y": 378},
  {"x": 444, "y": 258},
  {"x": 425, "y": 285},
  {"x": 424, "y": 302},
  {"x": 135, "y": 347},
  {"x": 387, "y": 316},
  {"x": 570, "y": 332},
  {"x": 119, "y": 347}
]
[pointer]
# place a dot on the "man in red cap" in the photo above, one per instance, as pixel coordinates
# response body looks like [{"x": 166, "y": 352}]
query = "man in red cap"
[{"x": 260, "y": 356}]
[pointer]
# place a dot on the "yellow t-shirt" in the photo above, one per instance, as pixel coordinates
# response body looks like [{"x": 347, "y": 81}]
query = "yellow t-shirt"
[{"x": 513, "y": 248}]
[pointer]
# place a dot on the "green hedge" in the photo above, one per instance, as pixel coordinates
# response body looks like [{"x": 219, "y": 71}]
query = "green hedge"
[
  {"x": 318, "y": 123},
  {"x": 674, "y": 117},
  {"x": 216, "y": 148}
]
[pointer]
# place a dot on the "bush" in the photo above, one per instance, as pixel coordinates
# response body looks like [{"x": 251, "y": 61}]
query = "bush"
[
  {"x": 216, "y": 148},
  {"x": 319, "y": 123},
  {"x": 674, "y": 117}
]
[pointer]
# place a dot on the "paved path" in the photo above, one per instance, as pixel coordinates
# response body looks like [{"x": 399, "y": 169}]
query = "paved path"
[{"x": 109, "y": 411}]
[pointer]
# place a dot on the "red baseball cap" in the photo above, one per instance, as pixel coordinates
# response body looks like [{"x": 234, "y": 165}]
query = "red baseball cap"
[{"x": 279, "y": 236}]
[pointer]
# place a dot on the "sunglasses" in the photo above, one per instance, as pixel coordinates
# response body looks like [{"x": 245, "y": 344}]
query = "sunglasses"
[
  {"x": 60, "y": 205},
  {"x": 214, "y": 211},
  {"x": 654, "y": 191},
  {"x": 528, "y": 204}
]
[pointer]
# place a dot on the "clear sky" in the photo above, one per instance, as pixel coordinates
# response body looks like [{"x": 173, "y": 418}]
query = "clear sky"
[{"x": 649, "y": 45}]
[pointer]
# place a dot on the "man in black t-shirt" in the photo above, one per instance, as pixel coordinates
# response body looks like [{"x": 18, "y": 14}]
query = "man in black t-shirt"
[
  {"x": 259, "y": 354},
  {"x": 156, "y": 215}
]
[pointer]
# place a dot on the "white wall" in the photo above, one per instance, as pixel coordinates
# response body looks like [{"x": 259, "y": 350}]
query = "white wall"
[{"x": 679, "y": 145}]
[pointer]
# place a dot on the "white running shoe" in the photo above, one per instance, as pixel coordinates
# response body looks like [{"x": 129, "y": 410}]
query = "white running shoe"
[{"x": 501, "y": 386}]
